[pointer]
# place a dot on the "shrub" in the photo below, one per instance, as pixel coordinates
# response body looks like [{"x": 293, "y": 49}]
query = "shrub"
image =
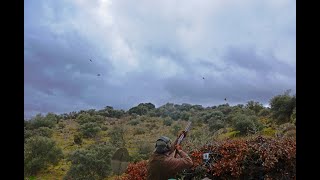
[
  {"x": 141, "y": 109},
  {"x": 282, "y": 107},
  {"x": 286, "y": 129},
  {"x": 77, "y": 139},
  {"x": 134, "y": 122},
  {"x": 230, "y": 134},
  {"x": 152, "y": 126},
  {"x": 91, "y": 163},
  {"x": 145, "y": 148},
  {"x": 293, "y": 117},
  {"x": 41, "y": 121},
  {"x": 216, "y": 125},
  {"x": 167, "y": 122},
  {"x": 41, "y": 131},
  {"x": 104, "y": 128},
  {"x": 61, "y": 125},
  {"x": 264, "y": 113},
  {"x": 117, "y": 136},
  {"x": 175, "y": 129},
  {"x": 136, "y": 171},
  {"x": 246, "y": 124},
  {"x": 39, "y": 152},
  {"x": 139, "y": 131},
  {"x": 269, "y": 131},
  {"x": 255, "y": 158},
  {"x": 84, "y": 118},
  {"x": 90, "y": 130}
]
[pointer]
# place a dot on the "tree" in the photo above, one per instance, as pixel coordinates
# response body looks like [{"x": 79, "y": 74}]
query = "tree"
[
  {"x": 282, "y": 107},
  {"x": 224, "y": 108},
  {"x": 246, "y": 124},
  {"x": 213, "y": 115},
  {"x": 216, "y": 125},
  {"x": 142, "y": 109},
  {"x": 41, "y": 131},
  {"x": 39, "y": 152},
  {"x": 41, "y": 121},
  {"x": 108, "y": 111},
  {"x": 264, "y": 113},
  {"x": 254, "y": 106},
  {"x": 93, "y": 163}
]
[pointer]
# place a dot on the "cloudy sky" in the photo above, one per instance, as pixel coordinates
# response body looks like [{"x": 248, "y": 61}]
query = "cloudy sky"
[{"x": 156, "y": 51}]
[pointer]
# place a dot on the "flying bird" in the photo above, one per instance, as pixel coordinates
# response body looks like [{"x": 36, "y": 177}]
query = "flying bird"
[
  {"x": 90, "y": 60},
  {"x": 98, "y": 74},
  {"x": 202, "y": 77},
  {"x": 225, "y": 99}
]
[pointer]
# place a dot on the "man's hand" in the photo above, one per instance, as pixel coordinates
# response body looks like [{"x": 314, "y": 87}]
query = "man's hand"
[
  {"x": 178, "y": 147},
  {"x": 182, "y": 132}
]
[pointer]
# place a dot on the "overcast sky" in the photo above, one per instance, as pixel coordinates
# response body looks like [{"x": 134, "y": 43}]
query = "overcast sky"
[{"x": 156, "y": 51}]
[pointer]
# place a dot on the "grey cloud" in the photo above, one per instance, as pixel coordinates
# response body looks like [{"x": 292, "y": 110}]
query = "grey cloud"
[
  {"x": 61, "y": 37},
  {"x": 233, "y": 85}
]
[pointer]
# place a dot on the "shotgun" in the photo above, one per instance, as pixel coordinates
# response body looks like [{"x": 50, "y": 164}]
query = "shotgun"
[{"x": 180, "y": 138}]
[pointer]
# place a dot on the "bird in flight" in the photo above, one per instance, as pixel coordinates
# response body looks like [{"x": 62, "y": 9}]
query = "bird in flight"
[
  {"x": 98, "y": 74},
  {"x": 90, "y": 60},
  {"x": 225, "y": 99},
  {"x": 202, "y": 77}
]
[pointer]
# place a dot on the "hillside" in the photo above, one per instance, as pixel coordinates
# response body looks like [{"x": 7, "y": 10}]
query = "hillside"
[{"x": 80, "y": 144}]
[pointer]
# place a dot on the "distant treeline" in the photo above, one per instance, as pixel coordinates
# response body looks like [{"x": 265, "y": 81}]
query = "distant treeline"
[{"x": 282, "y": 109}]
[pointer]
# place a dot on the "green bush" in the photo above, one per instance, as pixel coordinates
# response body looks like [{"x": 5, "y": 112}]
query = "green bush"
[
  {"x": 175, "y": 129},
  {"x": 230, "y": 134},
  {"x": 151, "y": 126},
  {"x": 84, "y": 118},
  {"x": 61, "y": 125},
  {"x": 41, "y": 131},
  {"x": 116, "y": 135},
  {"x": 269, "y": 131},
  {"x": 90, "y": 130},
  {"x": 246, "y": 124},
  {"x": 282, "y": 107},
  {"x": 104, "y": 128},
  {"x": 216, "y": 125},
  {"x": 41, "y": 121},
  {"x": 264, "y": 113},
  {"x": 134, "y": 122},
  {"x": 167, "y": 122},
  {"x": 93, "y": 163},
  {"x": 77, "y": 139},
  {"x": 141, "y": 109},
  {"x": 139, "y": 131},
  {"x": 39, "y": 152},
  {"x": 145, "y": 149},
  {"x": 211, "y": 116}
]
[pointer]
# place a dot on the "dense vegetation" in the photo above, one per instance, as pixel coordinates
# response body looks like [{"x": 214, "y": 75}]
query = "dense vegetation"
[{"x": 248, "y": 140}]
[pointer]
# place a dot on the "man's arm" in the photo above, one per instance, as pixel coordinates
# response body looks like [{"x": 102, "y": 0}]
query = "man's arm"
[{"x": 178, "y": 164}]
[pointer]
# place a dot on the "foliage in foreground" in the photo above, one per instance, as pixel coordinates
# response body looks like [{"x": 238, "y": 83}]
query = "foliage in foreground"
[{"x": 255, "y": 158}]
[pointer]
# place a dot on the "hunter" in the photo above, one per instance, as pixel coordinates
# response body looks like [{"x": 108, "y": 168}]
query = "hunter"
[{"x": 167, "y": 160}]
